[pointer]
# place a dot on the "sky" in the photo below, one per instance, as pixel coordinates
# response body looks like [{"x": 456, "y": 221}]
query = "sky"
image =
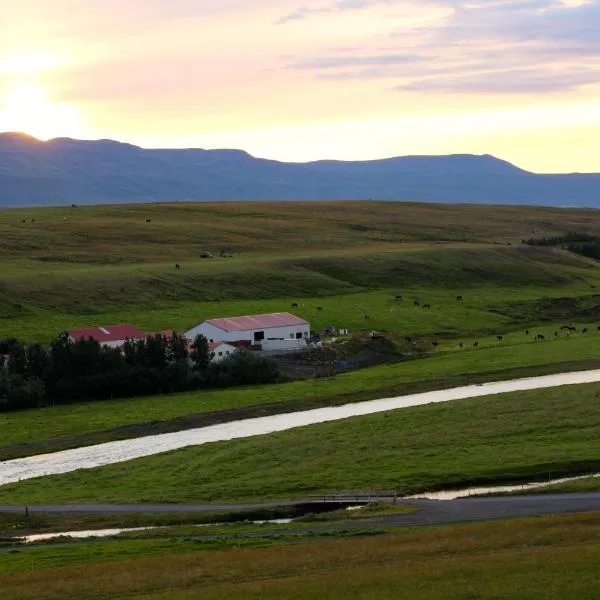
[{"x": 303, "y": 80}]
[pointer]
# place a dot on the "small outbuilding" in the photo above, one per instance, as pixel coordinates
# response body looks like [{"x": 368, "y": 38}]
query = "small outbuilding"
[
  {"x": 253, "y": 329},
  {"x": 220, "y": 351}
]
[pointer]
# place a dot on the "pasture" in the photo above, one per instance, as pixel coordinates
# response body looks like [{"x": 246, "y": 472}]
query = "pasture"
[
  {"x": 512, "y": 559},
  {"x": 506, "y": 438},
  {"x": 85, "y": 266},
  {"x": 518, "y": 355}
]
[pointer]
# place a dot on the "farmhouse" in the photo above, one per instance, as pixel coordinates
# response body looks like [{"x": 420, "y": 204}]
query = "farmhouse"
[
  {"x": 221, "y": 350},
  {"x": 254, "y": 329},
  {"x": 113, "y": 336}
]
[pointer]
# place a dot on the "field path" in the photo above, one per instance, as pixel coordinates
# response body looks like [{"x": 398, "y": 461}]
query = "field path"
[{"x": 89, "y": 457}]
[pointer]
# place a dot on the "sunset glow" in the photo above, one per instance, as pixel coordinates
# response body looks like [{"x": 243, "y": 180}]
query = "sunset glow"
[
  {"x": 27, "y": 108},
  {"x": 348, "y": 79}
]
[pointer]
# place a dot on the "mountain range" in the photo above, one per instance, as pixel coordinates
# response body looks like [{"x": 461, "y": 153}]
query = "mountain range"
[{"x": 66, "y": 171}]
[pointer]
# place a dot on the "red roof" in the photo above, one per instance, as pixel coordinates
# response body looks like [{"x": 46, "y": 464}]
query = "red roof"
[
  {"x": 110, "y": 333},
  {"x": 241, "y": 344},
  {"x": 257, "y": 322}
]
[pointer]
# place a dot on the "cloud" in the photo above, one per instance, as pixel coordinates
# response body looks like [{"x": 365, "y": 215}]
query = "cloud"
[
  {"x": 341, "y": 5},
  {"x": 505, "y": 82},
  {"x": 334, "y": 62},
  {"x": 493, "y": 46}
]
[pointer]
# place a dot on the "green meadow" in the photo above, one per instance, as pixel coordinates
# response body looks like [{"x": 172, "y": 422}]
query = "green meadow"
[
  {"x": 68, "y": 426},
  {"x": 556, "y": 557},
  {"x": 512, "y": 437}
]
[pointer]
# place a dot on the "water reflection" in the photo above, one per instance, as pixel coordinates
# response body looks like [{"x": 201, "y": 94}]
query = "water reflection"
[{"x": 478, "y": 491}]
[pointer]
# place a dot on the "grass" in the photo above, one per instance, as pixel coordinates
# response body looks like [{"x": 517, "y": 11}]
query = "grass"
[
  {"x": 36, "y": 307},
  {"x": 107, "y": 265},
  {"x": 497, "y": 439},
  {"x": 555, "y": 557},
  {"x": 19, "y": 524},
  {"x": 52, "y": 429}
]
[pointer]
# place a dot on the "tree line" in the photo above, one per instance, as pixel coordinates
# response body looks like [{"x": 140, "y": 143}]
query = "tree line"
[
  {"x": 578, "y": 243},
  {"x": 75, "y": 371}
]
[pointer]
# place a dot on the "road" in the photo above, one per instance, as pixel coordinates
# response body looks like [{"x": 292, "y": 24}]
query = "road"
[
  {"x": 89, "y": 457},
  {"x": 430, "y": 512}
]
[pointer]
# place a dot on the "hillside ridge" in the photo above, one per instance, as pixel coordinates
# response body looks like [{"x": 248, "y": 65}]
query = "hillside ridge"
[{"x": 65, "y": 170}]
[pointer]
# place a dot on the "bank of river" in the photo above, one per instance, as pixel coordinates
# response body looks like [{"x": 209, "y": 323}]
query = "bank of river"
[{"x": 89, "y": 457}]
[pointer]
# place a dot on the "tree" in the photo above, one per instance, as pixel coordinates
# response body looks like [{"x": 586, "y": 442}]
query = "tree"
[
  {"x": 17, "y": 362},
  {"x": 37, "y": 361},
  {"x": 177, "y": 350},
  {"x": 61, "y": 357},
  {"x": 201, "y": 355}
]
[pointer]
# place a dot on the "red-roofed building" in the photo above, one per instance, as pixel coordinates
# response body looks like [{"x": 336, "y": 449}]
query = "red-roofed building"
[
  {"x": 253, "y": 329},
  {"x": 113, "y": 336}
]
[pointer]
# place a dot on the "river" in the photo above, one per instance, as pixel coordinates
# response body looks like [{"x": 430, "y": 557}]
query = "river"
[{"x": 120, "y": 451}]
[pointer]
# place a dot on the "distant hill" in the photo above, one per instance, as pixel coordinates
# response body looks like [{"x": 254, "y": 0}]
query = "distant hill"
[{"x": 66, "y": 171}]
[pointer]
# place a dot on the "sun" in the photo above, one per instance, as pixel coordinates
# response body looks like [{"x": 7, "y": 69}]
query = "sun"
[{"x": 27, "y": 108}]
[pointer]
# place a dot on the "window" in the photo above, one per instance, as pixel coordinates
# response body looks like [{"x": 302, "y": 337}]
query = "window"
[
  {"x": 212, "y": 341},
  {"x": 291, "y": 336},
  {"x": 228, "y": 353},
  {"x": 299, "y": 335},
  {"x": 259, "y": 336},
  {"x": 220, "y": 354}
]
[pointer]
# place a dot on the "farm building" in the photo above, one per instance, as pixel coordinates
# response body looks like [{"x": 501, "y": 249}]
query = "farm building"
[
  {"x": 113, "y": 336},
  {"x": 254, "y": 329},
  {"x": 221, "y": 350}
]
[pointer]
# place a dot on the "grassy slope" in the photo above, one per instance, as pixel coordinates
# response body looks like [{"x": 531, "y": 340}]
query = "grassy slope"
[
  {"x": 446, "y": 369},
  {"x": 552, "y": 557},
  {"x": 492, "y": 439},
  {"x": 106, "y": 264},
  {"x": 158, "y": 298}
]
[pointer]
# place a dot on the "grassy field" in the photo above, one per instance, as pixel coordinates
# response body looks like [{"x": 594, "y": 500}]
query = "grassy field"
[
  {"x": 106, "y": 265},
  {"x": 40, "y": 305},
  {"x": 496, "y": 439},
  {"x": 550, "y": 557},
  {"x": 52, "y": 429}
]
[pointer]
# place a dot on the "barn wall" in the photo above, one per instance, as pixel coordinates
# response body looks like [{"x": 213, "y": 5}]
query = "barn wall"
[{"x": 218, "y": 335}]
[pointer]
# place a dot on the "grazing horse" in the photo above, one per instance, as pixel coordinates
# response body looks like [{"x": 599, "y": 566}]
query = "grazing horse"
[
  {"x": 527, "y": 332},
  {"x": 500, "y": 337},
  {"x": 294, "y": 305},
  {"x": 584, "y": 330},
  {"x": 397, "y": 298},
  {"x": 540, "y": 337},
  {"x": 435, "y": 344},
  {"x": 408, "y": 339},
  {"x": 459, "y": 298},
  {"x": 319, "y": 308},
  {"x": 367, "y": 317},
  {"x": 148, "y": 220},
  {"x": 426, "y": 305},
  {"x": 178, "y": 267},
  {"x": 416, "y": 303},
  {"x": 460, "y": 345},
  {"x": 475, "y": 344}
]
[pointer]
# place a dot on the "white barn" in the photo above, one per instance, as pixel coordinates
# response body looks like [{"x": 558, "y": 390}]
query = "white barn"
[{"x": 254, "y": 329}]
